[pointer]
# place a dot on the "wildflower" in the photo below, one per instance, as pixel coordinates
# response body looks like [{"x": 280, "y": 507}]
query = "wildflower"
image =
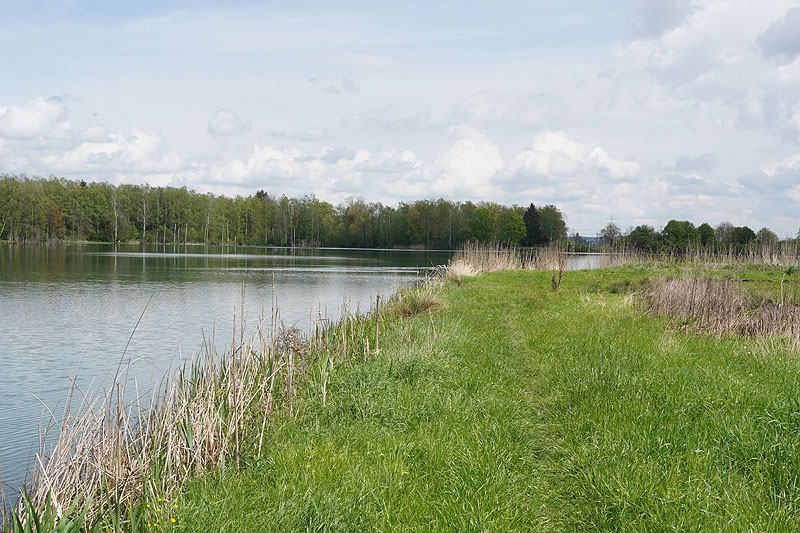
[
  {"x": 176, "y": 506},
  {"x": 173, "y": 520}
]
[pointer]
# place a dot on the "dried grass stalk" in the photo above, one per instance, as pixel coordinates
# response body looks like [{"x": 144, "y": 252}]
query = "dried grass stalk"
[
  {"x": 111, "y": 451},
  {"x": 722, "y": 307}
]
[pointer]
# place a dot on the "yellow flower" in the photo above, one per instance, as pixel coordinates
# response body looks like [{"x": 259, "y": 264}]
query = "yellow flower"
[
  {"x": 159, "y": 499},
  {"x": 176, "y": 506},
  {"x": 173, "y": 520}
]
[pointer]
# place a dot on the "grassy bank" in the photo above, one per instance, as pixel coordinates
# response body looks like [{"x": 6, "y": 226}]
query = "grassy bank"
[{"x": 517, "y": 407}]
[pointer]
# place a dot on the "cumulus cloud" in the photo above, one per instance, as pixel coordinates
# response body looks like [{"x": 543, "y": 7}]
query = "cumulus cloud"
[
  {"x": 35, "y": 118},
  {"x": 226, "y": 123},
  {"x": 466, "y": 169},
  {"x": 654, "y": 17},
  {"x": 552, "y": 154},
  {"x": 95, "y": 134},
  {"x": 693, "y": 184},
  {"x": 330, "y": 173},
  {"x": 781, "y": 39},
  {"x": 721, "y": 62},
  {"x": 139, "y": 154},
  {"x": 774, "y": 177}
]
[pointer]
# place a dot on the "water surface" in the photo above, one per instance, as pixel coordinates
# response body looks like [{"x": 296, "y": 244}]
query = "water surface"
[{"x": 71, "y": 309}]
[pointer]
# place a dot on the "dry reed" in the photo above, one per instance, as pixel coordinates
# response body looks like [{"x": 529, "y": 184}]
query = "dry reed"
[
  {"x": 723, "y": 307},
  {"x": 117, "y": 450},
  {"x": 475, "y": 258},
  {"x": 417, "y": 301}
]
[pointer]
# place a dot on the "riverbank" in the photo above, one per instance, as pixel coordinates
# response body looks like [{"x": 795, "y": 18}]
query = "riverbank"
[
  {"x": 517, "y": 407},
  {"x": 481, "y": 400}
]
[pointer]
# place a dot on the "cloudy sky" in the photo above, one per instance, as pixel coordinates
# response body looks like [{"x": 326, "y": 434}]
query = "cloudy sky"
[{"x": 636, "y": 110}]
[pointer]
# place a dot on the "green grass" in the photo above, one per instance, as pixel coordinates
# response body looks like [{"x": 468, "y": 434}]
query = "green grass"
[{"x": 518, "y": 408}]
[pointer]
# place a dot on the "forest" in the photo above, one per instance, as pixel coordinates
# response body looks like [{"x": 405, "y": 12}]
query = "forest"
[
  {"x": 56, "y": 209},
  {"x": 36, "y": 210}
]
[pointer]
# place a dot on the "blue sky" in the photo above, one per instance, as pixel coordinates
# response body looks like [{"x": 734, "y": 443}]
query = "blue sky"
[{"x": 640, "y": 110}]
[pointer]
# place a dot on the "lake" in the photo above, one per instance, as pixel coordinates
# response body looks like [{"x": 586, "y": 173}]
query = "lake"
[{"x": 70, "y": 310}]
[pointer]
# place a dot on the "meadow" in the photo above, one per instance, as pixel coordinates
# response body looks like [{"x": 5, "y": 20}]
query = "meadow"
[
  {"x": 517, "y": 407},
  {"x": 511, "y": 400}
]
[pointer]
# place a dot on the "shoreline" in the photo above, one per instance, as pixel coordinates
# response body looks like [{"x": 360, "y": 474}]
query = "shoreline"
[{"x": 310, "y": 380}]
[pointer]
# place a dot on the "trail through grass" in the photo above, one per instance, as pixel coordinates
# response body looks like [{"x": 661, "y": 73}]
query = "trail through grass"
[{"x": 520, "y": 408}]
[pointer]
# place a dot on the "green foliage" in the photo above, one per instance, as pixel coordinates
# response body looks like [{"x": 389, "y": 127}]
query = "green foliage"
[
  {"x": 533, "y": 230},
  {"x": 743, "y": 235},
  {"x": 512, "y": 228},
  {"x": 679, "y": 234},
  {"x": 38, "y": 210},
  {"x": 46, "y": 520},
  {"x": 610, "y": 234},
  {"x": 551, "y": 224},
  {"x": 483, "y": 225},
  {"x": 517, "y": 408},
  {"x": 706, "y": 234},
  {"x": 643, "y": 238},
  {"x": 767, "y": 236}
]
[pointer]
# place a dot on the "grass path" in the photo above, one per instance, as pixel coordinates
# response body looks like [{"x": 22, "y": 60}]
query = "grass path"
[{"x": 516, "y": 408}]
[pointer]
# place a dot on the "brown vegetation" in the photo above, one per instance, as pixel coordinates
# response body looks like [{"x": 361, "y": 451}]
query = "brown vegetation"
[{"x": 722, "y": 307}]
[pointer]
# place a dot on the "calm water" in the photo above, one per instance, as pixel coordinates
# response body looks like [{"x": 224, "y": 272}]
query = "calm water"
[{"x": 74, "y": 307}]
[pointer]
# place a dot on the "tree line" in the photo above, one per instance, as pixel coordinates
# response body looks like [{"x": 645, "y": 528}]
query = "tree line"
[
  {"x": 680, "y": 235},
  {"x": 56, "y": 209}
]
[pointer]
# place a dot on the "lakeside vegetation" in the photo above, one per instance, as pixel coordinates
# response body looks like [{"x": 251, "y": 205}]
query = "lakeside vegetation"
[
  {"x": 53, "y": 209},
  {"x": 484, "y": 400},
  {"x": 36, "y": 210}
]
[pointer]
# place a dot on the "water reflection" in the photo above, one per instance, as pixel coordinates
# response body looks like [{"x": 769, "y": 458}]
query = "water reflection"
[{"x": 69, "y": 307}]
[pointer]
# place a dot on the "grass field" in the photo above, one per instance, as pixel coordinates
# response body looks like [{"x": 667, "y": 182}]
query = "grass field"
[{"x": 515, "y": 408}]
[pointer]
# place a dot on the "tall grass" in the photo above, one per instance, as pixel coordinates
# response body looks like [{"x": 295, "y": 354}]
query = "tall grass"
[
  {"x": 116, "y": 453},
  {"x": 721, "y": 306},
  {"x": 477, "y": 258}
]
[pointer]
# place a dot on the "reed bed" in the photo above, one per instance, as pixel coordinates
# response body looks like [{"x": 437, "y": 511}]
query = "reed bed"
[
  {"x": 116, "y": 455},
  {"x": 721, "y": 307},
  {"x": 477, "y": 258},
  {"x": 113, "y": 453}
]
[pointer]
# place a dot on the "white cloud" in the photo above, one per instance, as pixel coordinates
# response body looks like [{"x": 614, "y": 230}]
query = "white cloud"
[
  {"x": 95, "y": 134},
  {"x": 774, "y": 177},
  {"x": 139, "y": 155},
  {"x": 781, "y": 39},
  {"x": 225, "y": 123},
  {"x": 466, "y": 169},
  {"x": 654, "y": 17},
  {"x": 35, "y": 118},
  {"x": 719, "y": 59},
  {"x": 554, "y": 155}
]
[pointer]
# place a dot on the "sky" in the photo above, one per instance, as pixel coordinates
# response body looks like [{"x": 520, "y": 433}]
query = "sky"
[{"x": 636, "y": 111}]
